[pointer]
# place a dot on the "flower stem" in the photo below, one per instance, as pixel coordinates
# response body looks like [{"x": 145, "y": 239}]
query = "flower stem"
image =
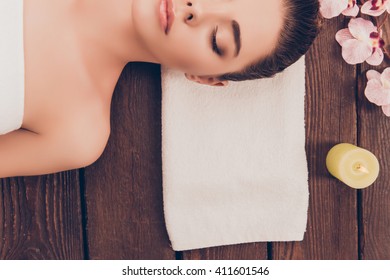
[
  {"x": 379, "y": 26},
  {"x": 386, "y": 53},
  {"x": 383, "y": 22}
]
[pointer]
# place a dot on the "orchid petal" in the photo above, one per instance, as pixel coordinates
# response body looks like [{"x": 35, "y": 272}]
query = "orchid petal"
[
  {"x": 366, "y": 9},
  {"x": 373, "y": 74},
  {"x": 376, "y": 58},
  {"x": 385, "y": 78},
  {"x": 361, "y": 28},
  {"x": 331, "y": 8},
  {"x": 376, "y": 94},
  {"x": 386, "y": 110},
  {"x": 355, "y": 51},
  {"x": 343, "y": 35},
  {"x": 352, "y": 12}
]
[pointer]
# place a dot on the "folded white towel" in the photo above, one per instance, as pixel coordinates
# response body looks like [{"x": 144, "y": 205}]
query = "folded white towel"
[
  {"x": 11, "y": 65},
  {"x": 234, "y": 161}
]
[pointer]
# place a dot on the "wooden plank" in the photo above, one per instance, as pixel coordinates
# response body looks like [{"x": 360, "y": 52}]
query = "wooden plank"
[
  {"x": 248, "y": 251},
  {"x": 330, "y": 119},
  {"x": 123, "y": 189},
  {"x": 374, "y": 133},
  {"x": 40, "y": 217}
]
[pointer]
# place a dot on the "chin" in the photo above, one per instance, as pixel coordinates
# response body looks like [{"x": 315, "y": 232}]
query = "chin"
[{"x": 146, "y": 20}]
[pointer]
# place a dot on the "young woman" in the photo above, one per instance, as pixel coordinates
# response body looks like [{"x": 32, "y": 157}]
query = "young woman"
[{"x": 75, "y": 50}]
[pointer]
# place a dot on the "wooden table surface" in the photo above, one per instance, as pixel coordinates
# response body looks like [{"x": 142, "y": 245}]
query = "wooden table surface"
[{"x": 113, "y": 209}]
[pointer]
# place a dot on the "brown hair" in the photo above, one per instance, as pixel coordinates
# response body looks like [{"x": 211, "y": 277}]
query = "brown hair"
[{"x": 301, "y": 25}]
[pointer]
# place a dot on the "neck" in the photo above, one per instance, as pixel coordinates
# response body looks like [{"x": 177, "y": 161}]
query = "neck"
[{"x": 107, "y": 38}]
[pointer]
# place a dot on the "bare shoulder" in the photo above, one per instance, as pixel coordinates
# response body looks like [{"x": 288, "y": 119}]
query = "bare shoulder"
[
  {"x": 25, "y": 153},
  {"x": 82, "y": 131},
  {"x": 75, "y": 142}
]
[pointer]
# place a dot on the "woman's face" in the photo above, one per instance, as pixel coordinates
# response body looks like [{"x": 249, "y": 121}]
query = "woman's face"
[{"x": 208, "y": 37}]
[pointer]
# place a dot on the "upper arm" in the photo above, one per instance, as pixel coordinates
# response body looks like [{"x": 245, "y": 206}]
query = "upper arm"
[{"x": 24, "y": 153}]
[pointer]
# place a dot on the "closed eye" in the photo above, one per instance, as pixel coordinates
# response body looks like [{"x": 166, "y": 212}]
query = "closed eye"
[{"x": 214, "y": 42}]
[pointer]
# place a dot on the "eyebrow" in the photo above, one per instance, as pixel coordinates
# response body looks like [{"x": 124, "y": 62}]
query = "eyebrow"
[{"x": 237, "y": 36}]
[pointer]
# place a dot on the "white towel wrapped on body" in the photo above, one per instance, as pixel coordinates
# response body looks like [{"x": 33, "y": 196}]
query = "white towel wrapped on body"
[{"x": 11, "y": 65}]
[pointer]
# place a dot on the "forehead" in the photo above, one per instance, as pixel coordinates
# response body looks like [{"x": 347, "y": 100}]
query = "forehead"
[{"x": 260, "y": 23}]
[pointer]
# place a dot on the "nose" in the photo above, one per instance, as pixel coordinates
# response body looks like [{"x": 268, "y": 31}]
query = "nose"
[{"x": 199, "y": 11}]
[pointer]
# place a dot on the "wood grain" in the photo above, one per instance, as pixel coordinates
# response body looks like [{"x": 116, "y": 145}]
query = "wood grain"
[
  {"x": 248, "y": 251},
  {"x": 332, "y": 231},
  {"x": 123, "y": 190},
  {"x": 374, "y": 133},
  {"x": 40, "y": 217}
]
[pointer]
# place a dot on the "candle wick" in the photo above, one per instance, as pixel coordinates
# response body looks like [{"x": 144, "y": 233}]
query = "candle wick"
[{"x": 363, "y": 169}]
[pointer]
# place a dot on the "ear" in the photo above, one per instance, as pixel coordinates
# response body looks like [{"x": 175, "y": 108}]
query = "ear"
[{"x": 207, "y": 80}]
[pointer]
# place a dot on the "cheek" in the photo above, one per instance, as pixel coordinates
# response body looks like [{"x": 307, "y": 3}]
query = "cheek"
[
  {"x": 186, "y": 49},
  {"x": 190, "y": 54}
]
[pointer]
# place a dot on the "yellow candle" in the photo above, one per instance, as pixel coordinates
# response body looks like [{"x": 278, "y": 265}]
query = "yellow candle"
[{"x": 354, "y": 166}]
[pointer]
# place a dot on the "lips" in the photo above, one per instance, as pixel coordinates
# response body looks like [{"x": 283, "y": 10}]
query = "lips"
[{"x": 167, "y": 15}]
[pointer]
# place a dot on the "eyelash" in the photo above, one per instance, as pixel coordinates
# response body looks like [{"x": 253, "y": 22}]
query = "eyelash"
[{"x": 214, "y": 42}]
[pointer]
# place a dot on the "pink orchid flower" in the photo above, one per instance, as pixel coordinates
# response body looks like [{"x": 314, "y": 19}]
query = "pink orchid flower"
[
  {"x": 361, "y": 42},
  {"x": 333, "y": 8},
  {"x": 376, "y": 7},
  {"x": 378, "y": 89}
]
